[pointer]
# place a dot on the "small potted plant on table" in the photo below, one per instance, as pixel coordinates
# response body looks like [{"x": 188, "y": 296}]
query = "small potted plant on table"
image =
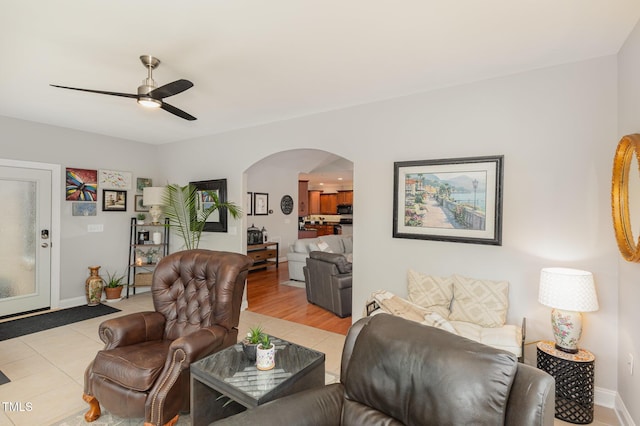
[
  {"x": 113, "y": 286},
  {"x": 251, "y": 341},
  {"x": 265, "y": 354},
  {"x": 140, "y": 218}
]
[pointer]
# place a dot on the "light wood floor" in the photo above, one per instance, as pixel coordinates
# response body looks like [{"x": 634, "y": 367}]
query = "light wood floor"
[{"x": 267, "y": 296}]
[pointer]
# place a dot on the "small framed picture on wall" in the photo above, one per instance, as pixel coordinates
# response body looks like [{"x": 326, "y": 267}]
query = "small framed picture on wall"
[
  {"x": 260, "y": 204},
  {"x": 114, "y": 201}
]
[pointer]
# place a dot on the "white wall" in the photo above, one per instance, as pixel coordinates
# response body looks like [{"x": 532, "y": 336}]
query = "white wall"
[
  {"x": 557, "y": 129},
  {"x": 22, "y": 140},
  {"x": 628, "y": 310},
  {"x": 277, "y": 182}
]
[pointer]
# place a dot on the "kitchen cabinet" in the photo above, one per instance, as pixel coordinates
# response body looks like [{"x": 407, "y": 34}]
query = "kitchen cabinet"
[
  {"x": 303, "y": 198},
  {"x": 324, "y": 229},
  {"x": 307, "y": 233},
  {"x": 328, "y": 203},
  {"x": 345, "y": 197},
  {"x": 314, "y": 202}
]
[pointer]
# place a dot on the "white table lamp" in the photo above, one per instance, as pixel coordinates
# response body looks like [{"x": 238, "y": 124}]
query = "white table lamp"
[
  {"x": 569, "y": 292},
  {"x": 153, "y": 196}
]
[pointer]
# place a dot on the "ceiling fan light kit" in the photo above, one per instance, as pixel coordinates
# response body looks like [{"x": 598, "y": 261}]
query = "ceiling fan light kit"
[
  {"x": 148, "y": 102},
  {"x": 149, "y": 94}
]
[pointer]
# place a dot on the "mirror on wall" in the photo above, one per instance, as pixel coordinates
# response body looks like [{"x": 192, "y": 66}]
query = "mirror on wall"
[{"x": 625, "y": 197}]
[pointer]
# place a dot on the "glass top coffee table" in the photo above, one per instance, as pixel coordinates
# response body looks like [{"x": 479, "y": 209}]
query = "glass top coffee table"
[{"x": 227, "y": 383}]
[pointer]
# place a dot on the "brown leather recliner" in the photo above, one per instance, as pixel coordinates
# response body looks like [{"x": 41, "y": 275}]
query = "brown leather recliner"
[
  {"x": 327, "y": 279},
  {"x": 143, "y": 370},
  {"x": 399, "y": 372}
]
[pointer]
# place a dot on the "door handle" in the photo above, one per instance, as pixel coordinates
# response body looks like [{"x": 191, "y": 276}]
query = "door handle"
[{"x": 44, "y": 245}]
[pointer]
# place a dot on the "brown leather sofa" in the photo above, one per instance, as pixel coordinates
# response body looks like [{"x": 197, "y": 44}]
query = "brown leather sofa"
[
  {"x": 327, "y": 279},
  {"x": 399, "y": 372},
  {"x": 143, "y": 370}
]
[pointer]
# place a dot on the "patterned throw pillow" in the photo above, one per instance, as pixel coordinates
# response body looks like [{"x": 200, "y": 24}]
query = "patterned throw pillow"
[
  {"x": 430, "y": 292},
  {"x": 481, "y": 302},
  {"x": 323, "y": 246}
]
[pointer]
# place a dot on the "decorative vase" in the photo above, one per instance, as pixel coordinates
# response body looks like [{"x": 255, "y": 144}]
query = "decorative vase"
[
  {"x": 93, "y": 286},
  {"x": 249, "y": 350},
  {"x": 113, "y": 293},
  {"x": 265, "y": 358}
]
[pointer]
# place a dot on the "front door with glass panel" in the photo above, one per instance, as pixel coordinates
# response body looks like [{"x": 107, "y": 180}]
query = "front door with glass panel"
[{"x": 25, "y": 226}]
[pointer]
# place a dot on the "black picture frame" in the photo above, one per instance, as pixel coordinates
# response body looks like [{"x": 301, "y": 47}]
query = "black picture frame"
[
  {"x": 455, "y": 199},
  {"x": 114, "y": 200},
  {"x": 217, "y": 221},
  {"x": 249, "y": 202},
  {"x": 260, "y": 204}
]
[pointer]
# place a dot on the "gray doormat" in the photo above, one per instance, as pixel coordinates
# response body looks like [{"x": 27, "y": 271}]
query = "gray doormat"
[{"x": 35, "y": 323}]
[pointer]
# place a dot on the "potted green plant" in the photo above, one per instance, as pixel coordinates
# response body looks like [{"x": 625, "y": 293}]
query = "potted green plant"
[
  {"x": 180, "y": 207},
  {"x": 113, "y": 286},
  {"x": 265, "y": 353},
  {"x": 251, "y": 341},
  {"x": 140, "y": 217}
]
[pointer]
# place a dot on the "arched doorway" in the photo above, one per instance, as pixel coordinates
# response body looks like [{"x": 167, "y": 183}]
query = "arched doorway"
[{"x": 274, "y": 178}]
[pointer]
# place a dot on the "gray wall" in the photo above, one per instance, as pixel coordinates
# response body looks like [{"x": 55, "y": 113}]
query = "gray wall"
[
  {"x": 629, "y": 285},
  {"x": 22, "y": 140},
  {"x": 557, "y": 129}
]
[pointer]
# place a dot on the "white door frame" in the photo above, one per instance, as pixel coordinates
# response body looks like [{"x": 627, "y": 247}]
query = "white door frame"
[{"x": 54, "y": 234}]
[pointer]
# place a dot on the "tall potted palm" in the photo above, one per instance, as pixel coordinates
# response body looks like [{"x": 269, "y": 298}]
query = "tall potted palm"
[{"x": 181, "y": 208}]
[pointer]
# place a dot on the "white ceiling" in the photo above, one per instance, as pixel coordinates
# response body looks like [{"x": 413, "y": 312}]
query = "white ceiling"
[{"x": 256, "y": 61}]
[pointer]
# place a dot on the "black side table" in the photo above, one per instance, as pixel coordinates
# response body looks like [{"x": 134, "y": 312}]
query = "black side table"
[{"x": 574, "y": 374}]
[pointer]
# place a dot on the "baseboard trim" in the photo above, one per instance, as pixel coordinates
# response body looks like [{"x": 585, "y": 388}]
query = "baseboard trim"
[
  {"x": 70, "y": 303},
  {"x": 623, "y": 414},
  {"x": 82, "y": 300},
  {"x": 611, "y": 399}
]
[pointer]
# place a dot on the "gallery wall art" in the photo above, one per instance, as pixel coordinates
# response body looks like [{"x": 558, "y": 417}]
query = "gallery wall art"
[
  {"x": 114, "y": 179},
  {"x": 81, "y": 184}
]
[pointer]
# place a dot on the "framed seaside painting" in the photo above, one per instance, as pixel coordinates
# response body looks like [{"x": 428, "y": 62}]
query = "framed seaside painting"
[{"x": 458, "y": 200}]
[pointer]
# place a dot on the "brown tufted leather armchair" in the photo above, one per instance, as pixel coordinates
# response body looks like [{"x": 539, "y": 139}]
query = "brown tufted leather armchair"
[{"x": 143, "y": 370}]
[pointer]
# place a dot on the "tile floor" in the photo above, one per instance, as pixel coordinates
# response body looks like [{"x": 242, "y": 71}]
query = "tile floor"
[{"x": 47, "y": 368}]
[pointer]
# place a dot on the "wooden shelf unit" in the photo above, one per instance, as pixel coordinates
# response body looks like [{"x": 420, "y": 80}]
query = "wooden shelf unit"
[
  {"x": 139, "y": 274},
  {"x": 262, "y": 255}
]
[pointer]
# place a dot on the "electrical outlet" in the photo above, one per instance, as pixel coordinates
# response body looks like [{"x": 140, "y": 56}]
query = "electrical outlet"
[
  {"x": 630, "y": 364},
  {"x": 95, "y": 228}
]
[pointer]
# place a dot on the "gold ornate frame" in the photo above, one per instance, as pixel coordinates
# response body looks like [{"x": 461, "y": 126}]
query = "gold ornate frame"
[{"x": 628, "y": 146}]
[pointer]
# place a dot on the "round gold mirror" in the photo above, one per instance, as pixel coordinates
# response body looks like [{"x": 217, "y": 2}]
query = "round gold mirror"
[{"x": 625, "y": 176}]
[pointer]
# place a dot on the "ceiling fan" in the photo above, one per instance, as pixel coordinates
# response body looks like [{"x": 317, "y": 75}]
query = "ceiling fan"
[{"x": 149, "y": 94}]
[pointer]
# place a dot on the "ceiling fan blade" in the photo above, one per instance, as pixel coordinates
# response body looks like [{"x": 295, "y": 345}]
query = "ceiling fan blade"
[
  {"x": 176, "y": 111},
  {"x": 171, "y": 89},
  {"x": 102, "y": 92}
]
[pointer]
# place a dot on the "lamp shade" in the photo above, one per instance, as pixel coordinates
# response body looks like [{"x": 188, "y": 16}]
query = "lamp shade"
[
  {"x": 153, "y": 195},
  {"x": 567, "y": 289}
]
